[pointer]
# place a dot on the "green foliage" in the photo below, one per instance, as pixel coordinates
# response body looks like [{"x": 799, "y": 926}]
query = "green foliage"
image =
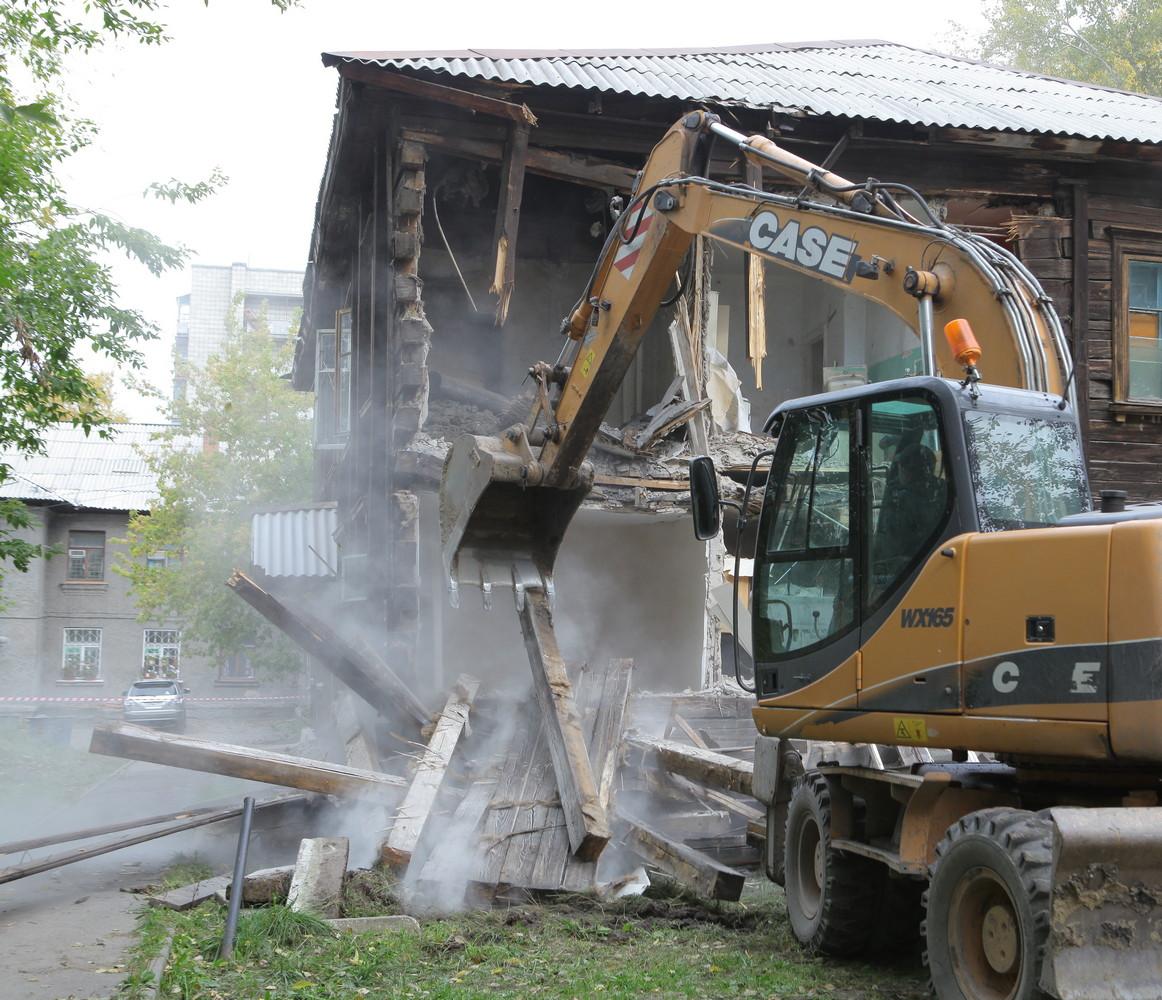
[
  {"x": 1115, "y": 43},
  {"x": 241, "y": 440},
  {"x": 58, "y": 301}
]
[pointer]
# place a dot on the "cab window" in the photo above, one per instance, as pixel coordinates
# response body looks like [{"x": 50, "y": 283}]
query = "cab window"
[
  {"x": 805, "y": 594},
  {"x": 909, "y": 490}
]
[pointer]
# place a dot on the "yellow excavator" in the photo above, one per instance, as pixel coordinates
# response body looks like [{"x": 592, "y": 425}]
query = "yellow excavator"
[{"x": 957, "y": 661}]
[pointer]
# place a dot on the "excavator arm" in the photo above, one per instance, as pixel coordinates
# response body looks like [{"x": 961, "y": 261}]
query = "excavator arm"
[{"x": 508, "y": 500}]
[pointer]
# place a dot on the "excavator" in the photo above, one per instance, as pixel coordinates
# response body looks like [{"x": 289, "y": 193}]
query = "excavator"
[{"x": 957, "y": 660}]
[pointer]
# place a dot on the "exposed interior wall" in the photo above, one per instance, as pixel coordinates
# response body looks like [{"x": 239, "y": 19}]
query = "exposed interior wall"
[
  {"x": 810, "y": 325},
  {"x": 627, "y": 586}
]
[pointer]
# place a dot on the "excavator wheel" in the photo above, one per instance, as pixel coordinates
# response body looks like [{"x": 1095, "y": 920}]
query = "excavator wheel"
[
  {"x": 987, "y": 907},
  {"x": 830, "y": 893}
]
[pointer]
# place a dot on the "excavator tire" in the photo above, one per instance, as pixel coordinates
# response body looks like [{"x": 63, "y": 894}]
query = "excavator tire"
[
  {"x": 830, "y": 894},
  {"x": 987, "y": 916}
]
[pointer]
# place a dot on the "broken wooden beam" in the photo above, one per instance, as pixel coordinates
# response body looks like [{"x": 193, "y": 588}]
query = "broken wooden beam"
[
  {"x": 60, "y": 860},
  {"x": 512, "y": 182},
  {"x": 358, "y": 668},
  {"x": 465, "y": 99},
  {"x": 317, "y": 883},
  {"x": 421, "y": 794},
  {"x": 139, "y": 743},
  {"x": 585, "y": 817},
  {"x": 589, "y": 171},
  {"x": 692, "y": 868},
  {"x": 756, "y": 295},
  {"x": 715, "y": 770}
]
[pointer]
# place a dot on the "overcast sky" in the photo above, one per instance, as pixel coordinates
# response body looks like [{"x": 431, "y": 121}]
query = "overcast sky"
[{"x": 241, "y": 87}]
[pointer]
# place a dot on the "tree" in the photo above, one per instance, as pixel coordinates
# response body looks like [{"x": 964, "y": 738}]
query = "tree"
[
  {"x": 57, "y": 296},
  {"x": 241, "y": 439},
  {"x": 1115, "y": 43}
]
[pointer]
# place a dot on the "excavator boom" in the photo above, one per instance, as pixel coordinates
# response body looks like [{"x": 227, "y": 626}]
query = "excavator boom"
[{"x": 506, "y": 501}]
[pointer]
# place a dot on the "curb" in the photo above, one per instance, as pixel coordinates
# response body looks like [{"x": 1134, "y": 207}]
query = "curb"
[{"x": 157, "y": 969}]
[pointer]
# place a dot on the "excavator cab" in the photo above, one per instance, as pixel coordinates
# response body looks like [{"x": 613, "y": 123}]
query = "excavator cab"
[{"x": 868, "y": 485}]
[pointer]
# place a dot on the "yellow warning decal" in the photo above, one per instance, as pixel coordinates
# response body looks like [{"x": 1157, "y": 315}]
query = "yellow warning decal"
[
  {"x": 909, "y": 730},
  {"x": 587, "y": 362}
]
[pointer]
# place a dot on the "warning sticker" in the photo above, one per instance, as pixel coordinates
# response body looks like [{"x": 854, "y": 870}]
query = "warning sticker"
[
  {"x": 909, "y": 730},
  {"x": 587, "y": 361}
]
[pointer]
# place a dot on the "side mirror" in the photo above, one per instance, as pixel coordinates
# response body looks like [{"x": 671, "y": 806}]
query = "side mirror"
[{"x": 704, "y": 498}]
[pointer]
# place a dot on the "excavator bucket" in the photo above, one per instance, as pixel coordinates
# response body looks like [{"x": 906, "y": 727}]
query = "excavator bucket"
[
  {"x": 1105, "y": 941},
  {"x": 496, "y": 529}
]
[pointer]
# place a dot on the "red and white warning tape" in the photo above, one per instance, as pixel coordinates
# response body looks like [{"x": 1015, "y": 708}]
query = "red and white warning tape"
[{"x": 117, "y": 699}]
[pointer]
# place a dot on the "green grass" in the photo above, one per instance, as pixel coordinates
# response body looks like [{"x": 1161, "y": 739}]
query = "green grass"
[
  {"x": 668, "y": 948},
  {"x": 184, "y": 870}
]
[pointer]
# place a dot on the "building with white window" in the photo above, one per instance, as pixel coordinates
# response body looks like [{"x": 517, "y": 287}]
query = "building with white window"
[
  {"x": 203, "y": 313},
  {"x": 69, "y": 627}
]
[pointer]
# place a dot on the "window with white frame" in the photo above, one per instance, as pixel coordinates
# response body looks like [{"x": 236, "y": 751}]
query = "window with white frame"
[
  {"x": 161, "y": 653},
  {"x": 86, "y": 555},
  {"x": 326, "y": 430},
  {"x": 343, "y": 417},
  {"x": 82, "y": 655}
]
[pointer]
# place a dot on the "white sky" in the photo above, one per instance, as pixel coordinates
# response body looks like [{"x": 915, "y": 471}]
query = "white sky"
[{"x": 241, "y": 87}]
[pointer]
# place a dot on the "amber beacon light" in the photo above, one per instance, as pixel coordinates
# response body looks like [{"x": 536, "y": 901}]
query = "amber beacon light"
[{"x": 964, "y": 346}]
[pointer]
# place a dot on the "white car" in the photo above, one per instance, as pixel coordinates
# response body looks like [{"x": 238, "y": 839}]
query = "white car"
[{"x": 158, "y": 702}]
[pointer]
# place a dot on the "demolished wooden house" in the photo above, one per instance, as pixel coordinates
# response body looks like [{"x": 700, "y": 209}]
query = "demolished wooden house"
[{"x": 464, "y": 200}]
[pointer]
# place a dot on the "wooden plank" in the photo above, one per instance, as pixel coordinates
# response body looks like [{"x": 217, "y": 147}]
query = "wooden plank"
[
  {"x": 589, "y": 171},
  {"x": 433, "y": 766},
  {"x": 584, "y": 815},
  {"x": 756, "y": 295},
  {"x": 690, "y": 867},
  {"x": 139, "y": 743},
  {"x": 512, "y": 182},
  {"x": 358, "y": 668},
  {"x": 676, "y": 485},
  {"x": 691, "y": 735},
  {"x": 400, "y": 84},
  {"x": 715, "y": 770}
]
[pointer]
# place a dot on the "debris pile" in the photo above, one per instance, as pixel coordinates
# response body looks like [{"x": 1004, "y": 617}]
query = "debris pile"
[{"x": 576, "y": 788}]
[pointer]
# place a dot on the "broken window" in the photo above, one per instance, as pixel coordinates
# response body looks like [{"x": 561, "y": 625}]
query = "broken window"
[
  {"x": 161, "y": 654},
  {"x": 326, "y": 431},
  {"x": 86, "y": 555},
  {"x": 82, "y": 655}
]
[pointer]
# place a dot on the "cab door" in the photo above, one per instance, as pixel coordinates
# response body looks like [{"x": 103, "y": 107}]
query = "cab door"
[
  {"x": 911, "y": 615},
  {"x": 805, "y": 605}
]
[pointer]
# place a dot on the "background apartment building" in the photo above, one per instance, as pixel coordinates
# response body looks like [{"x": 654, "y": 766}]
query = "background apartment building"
[{"x": 203, "y": 313}]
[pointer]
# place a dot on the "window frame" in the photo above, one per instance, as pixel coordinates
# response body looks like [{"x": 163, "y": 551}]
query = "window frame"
[
  {"x": 1128, "y": 245},
  {"x": 175, "y": 644},
  {"x": 98, "y": 645},
  {"x": 70, "y": 548},
  {"x": 344, "y": 328}
]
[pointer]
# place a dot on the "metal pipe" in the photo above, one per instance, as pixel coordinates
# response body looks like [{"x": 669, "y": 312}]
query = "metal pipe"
[
  {"x": 236, "y": 884},
  {"x": 927, "y": 347}
]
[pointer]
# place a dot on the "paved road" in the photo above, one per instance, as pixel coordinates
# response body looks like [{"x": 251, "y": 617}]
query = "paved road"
[{"x": 64, "y": 933}]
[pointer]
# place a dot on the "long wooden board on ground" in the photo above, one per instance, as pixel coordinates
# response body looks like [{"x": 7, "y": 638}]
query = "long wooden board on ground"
[
  {"x": 433, "y": 765},
  {"x": 715, "y": 770},
  {"x": 585, "y": 818},
  {"x": 360, "y": 669},
  {"x": 693, "y": 868},
  {"x": 139, "y": 743}
]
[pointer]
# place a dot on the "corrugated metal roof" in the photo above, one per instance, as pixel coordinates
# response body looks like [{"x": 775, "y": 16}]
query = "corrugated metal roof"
[
  {"x": 295, "y": 542},
  {"x": 92, "y": 472},
  {"x": 866, "y": 79}
]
